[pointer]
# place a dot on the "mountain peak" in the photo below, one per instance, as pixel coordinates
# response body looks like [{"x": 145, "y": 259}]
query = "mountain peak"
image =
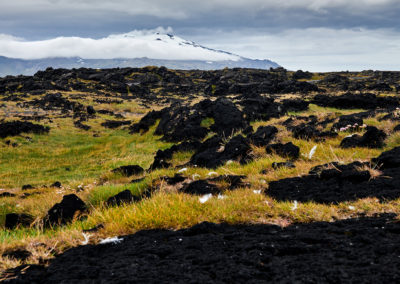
[{"x": 158, "y": 47}]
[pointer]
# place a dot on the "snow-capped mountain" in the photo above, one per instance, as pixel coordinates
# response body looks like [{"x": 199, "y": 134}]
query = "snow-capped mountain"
[{"x": 134, "y": 49}]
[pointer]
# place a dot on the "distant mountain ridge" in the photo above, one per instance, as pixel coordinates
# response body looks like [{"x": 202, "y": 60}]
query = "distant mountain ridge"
[
  {"x": 11, "y": 66},
  {"x": 155, "y": 49}
]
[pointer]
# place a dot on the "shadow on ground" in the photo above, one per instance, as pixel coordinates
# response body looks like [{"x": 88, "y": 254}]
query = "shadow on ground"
[
  {"x": 353, "y": 250},
  {"x": 334, "y": 183}
]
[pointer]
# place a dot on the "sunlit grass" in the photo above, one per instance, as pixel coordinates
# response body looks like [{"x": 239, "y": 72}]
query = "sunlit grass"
[{"x": 82, "y": 161}]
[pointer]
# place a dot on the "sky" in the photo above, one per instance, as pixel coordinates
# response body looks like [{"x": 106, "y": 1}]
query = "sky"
[{"x": 314, "y": 35}]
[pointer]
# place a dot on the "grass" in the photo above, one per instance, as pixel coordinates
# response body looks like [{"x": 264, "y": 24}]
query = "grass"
[
  {"x": 90, "y": 157},
  {"x": 70, "y": 155}
]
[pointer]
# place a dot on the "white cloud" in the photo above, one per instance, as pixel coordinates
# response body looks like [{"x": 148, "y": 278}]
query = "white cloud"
[
  {"x": 315, "y": 49},
  {"x": 155, "y": 44},
  {"x": 179, "y": 9}
]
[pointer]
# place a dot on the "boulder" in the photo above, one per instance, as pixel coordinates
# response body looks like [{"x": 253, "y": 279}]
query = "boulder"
[
  {"x": 129, "y": 170},
  {"x": 295, "y": 105},
  {"x": 388, "y": 159},
  {"x": 14, "y": 128},
  {"x": 276, "y": 165},
  {"x": 263, "y": 136},
  {"x": 13, "y": 220},
  {"x": 56, "y": 184},
  {"x": 212, "y": 153},
  {"x": 112, "y": 124},
  {"x": 373, "y": 138},
  {"x": 7, "y": 194},
  {"x": 123, "y": 197},
  {"x": 288, "y": 150},
  {"x": 65, "y": 211},
  {"x": 346, "y": 120},
  {"x": 200, "y": 187}
]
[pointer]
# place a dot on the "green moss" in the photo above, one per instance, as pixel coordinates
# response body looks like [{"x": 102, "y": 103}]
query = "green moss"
[{"x": 207, "y": 122}]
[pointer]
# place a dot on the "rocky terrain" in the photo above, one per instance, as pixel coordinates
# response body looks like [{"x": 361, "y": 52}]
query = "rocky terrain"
[{"x": 234, "y": 175}]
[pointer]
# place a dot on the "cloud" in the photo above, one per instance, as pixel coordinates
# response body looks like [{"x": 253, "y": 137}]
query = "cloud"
[
  {"x": 310, "y": 34},
  {"x": 315, "y": 49},
  {"x": 155, "y": 44},
  {"x": 184, "y": 8},
  {"x": 41, "y": 19}
]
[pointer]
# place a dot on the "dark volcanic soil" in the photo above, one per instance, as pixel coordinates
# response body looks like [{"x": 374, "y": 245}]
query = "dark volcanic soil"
[
  {"x": 365, "y": 250},
  {"x": 334, "y": 183}
]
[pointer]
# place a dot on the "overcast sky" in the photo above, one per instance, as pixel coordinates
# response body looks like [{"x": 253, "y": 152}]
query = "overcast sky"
[{"x": 315, "y": 35}]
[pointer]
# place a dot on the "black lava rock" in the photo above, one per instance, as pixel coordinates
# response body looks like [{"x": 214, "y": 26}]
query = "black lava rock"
[
  {"x": 352, "y": 101},
  {"x": 234, "y": 181},
  {"x": 288, "y": 150},
  {"x": 19, "y": 254},
  {"x": 14, "y": 220},
  {"x": 334, "y": 183},
  {"x": 7, "y": 194},
  {"x": 177, "y": 178},
  {"x": 213, "y": 154},
  {"x": 123, "y": 197},
  {"x": 80, "y": 125},
  {"x": 388, "y": 159},
  {"x": 13, "y": 128},
  {"x": 309, "y": 131},
  {"x": 90, "y": 110},
  {"x": 129, "y": 170},
  {"x": 289, "y": 165},
  {"x": 373, "y": 138},
  {"x": 112, "y": 124},
  {"x": 351, "y": 141},
  {"x": 263, "y": 136},
  {"x": 160, "y": 160},
  {"x": 27, "y": 187},
  {"x": 200, "y": 187},
  {"x": 56, "y": 184},
  {"x": 63, "y": 212},
  {"x": 345, "y": 120},
  {"x": 362, "y": 250},
  {"x": 295, "y": 105}
]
